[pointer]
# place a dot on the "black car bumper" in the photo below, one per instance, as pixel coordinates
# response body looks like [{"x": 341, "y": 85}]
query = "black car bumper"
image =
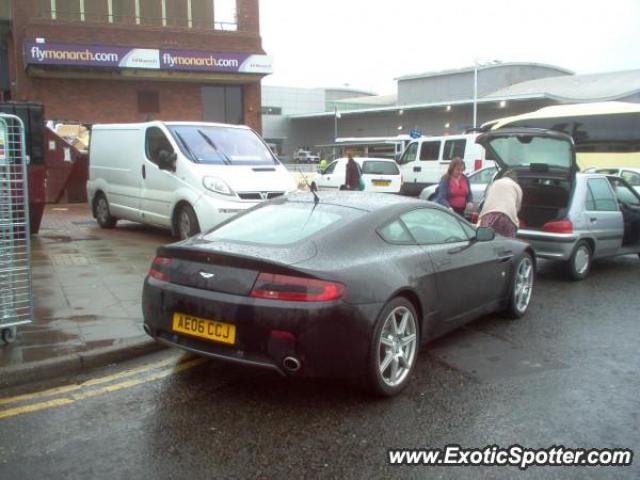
[{"x": 330, "y": 339}]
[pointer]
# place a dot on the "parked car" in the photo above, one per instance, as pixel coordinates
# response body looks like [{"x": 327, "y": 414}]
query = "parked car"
[
  {"x": 426, "y": 159},
  {"x": 185, "y": 176},
  {"x": 567, "y": 216},
  {"x": 379, "y": 174},
  {"x": 304, "y": 156},
  {"x": 345, "y": 284},
  {"x": 478, "y": 181},
  {"x": 629, "y": 175}
]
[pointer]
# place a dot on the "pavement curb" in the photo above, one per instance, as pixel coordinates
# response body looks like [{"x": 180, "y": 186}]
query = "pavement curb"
[{"x": 73, "y": 363}]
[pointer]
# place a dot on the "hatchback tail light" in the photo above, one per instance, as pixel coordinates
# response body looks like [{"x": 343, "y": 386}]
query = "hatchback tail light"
[
  {"x": 478, "y": 164},
  {"x": 159, "y": 269},
  {"x": 558, "y": 226},
  {"x": 295, "y": 289}
]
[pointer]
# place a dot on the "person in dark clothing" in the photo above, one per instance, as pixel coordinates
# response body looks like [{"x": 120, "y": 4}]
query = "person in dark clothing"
[
  {"x": 454, "y": 190},
  {"x": 352, "y": 179}
]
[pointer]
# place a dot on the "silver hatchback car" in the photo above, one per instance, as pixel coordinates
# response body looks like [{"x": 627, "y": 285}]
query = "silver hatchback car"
[{"x": 566, "y": 215}]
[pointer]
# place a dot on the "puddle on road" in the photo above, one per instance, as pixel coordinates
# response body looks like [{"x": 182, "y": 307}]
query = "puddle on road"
[{"x": 488, "y": 358}]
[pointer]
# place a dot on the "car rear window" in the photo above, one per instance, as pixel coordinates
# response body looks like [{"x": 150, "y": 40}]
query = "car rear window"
[
  {"x": 380, "y": 168},
  {"x": 282, "y": 224}
]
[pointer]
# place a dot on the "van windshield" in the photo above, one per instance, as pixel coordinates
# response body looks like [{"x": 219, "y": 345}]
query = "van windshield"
[{"x": 219, "y": 145}]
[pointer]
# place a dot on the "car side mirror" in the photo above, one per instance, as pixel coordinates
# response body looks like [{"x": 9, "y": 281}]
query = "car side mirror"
[
  {"x": 167, "y": 161},
  {"x": 485, "y": 234}
]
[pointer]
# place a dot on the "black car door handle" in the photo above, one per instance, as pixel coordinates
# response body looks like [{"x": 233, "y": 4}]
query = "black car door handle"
[
  {"x": 144, "y": 172},
  {"x": 417, "y": 169},
  {"x": 593, "y": 220}
]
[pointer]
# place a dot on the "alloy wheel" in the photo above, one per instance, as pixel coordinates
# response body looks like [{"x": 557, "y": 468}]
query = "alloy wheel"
[
  {"x": 523, "y": 284},
  {"x": 397, "y": 346},
  {"x": 581, "y": 259},
  {"x": 184, "y": 225},
  {"x": 102, "y": 210}
]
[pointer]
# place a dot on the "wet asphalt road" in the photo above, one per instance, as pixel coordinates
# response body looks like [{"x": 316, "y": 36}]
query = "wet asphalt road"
[{"x": 566, "y": 374}]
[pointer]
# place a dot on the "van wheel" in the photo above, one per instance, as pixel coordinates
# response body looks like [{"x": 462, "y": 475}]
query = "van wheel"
[
  {"x": 580, "y": 261},
  {"x": 394, "y": 348},
  {"x": 186, "y": 222},
  {"x": 102, "y": 212}
]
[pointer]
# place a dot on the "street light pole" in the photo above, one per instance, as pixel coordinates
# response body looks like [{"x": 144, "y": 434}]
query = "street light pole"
[
  {"x": 475, "y": 92},
  {"x": 336, "y": 116}
]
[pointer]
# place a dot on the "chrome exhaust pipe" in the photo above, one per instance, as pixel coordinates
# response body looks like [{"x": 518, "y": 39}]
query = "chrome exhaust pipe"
[{"x": 291, "y": 364}]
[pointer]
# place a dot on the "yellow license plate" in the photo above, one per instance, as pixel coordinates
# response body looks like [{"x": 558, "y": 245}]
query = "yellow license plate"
[
  {"x": 204, "y": 328},
  {"x": 381, "y": 183}
]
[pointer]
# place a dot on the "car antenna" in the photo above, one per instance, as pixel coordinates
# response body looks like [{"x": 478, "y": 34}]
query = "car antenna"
[{"x": 316, "y": 198}]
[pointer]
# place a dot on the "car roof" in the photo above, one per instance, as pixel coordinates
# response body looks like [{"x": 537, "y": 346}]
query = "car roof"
[{"x": 359, "y": 200}]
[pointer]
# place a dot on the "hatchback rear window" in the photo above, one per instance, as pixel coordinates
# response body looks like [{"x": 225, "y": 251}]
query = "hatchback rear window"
[
  {"x": 282, "y": 224},
  {"x": 380, "y": 168},
  {"x": 525, "y": 150}
]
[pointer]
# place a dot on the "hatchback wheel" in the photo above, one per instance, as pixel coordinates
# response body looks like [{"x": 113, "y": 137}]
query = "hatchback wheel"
[
  {"x": 186, "y": 222},
  {"x": 102, "y": 212},
  {"x": 394, "y": 348},
  {"x": 580, "y": 261},
  {"x": 521, "y": 287}
]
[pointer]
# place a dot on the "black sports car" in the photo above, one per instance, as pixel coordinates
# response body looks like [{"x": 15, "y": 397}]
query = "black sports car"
[{"x": 343, "y": 284}]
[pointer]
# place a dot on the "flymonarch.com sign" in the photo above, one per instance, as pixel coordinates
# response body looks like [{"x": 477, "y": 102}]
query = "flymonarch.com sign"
[{"x": 105, "y": 56}]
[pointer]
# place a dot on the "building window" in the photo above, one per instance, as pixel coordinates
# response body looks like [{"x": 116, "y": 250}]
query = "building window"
[
  {"x": 271, "y": 111},
  {"x": 148, "y": 102},
  {"x": 96, "y": 11},
  {"x": 149, "y": 12},
  {"x": 66, "y": 10},
  {"x": 202, "y": 14},
  {"x": 177, "y": 13},
  {"x": 225, "y": 14},
  {"x": 224, "y": 104},
  {"x": 122, "y": 11}
]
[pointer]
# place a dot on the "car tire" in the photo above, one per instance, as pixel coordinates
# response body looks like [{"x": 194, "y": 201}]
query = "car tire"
[
  {"x": 186, "y": 222},
  {"x": 580, "y": 261},
  {"x": 394, "y": 348},
  {"x": 521, "y": 287},
  {"x": 102, "y": 212}
]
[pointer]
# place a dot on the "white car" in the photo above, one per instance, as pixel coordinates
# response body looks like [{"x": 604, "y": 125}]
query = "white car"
[
  {"x": 379, "y": 174},
  {"x": 478, "y": 181},
  {"x": 630, "y": 175}
]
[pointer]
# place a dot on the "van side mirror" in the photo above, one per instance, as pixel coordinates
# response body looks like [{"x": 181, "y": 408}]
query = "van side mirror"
[
  {"x": 485, "y": 234},
  {"x": 167, "y": 161}
]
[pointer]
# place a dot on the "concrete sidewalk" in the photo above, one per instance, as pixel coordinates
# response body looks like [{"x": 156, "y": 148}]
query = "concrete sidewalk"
[{"x": 87, "y": 287}]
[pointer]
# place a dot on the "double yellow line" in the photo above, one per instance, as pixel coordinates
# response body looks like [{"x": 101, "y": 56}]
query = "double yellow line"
[{"x": 69, "y": 394}]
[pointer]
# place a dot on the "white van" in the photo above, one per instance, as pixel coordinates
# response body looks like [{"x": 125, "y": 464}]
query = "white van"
[
  {"x": 426, "y": 159},
  {"x": 185, "y": 176}
]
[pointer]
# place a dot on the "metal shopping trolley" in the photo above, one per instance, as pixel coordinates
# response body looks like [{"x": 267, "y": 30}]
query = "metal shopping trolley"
[{"x": 16, "y": 300}]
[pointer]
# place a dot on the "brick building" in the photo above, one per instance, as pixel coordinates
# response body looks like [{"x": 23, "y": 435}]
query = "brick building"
[{"x": 131, "y": 60}]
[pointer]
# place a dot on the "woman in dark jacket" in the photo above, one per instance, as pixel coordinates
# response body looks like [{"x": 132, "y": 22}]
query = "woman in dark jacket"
[
  {"x": 352, "y": 174},
  {"x": 454, "y": 190}
]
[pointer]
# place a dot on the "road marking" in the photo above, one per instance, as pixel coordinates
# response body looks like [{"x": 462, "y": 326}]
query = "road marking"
[
  {"x": 95, "y": 381},
  {"x": 77, "y": 396}
]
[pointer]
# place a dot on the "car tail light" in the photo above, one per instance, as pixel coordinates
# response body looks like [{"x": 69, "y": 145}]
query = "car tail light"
[
  {"x": 478, "y": 164},
  {"x": 295, "y": 289},
  {"x": 558, "y": 226},
  {"x": 159, "y": 267}
]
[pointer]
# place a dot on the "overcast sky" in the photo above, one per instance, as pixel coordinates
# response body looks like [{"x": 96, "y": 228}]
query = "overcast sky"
[{"x": 368, "y": 43}]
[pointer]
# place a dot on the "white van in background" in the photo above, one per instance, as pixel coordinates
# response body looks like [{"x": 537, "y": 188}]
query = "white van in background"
[
  {"x": 185, "y": 176},
  {"x": 426, "y": 159}
]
